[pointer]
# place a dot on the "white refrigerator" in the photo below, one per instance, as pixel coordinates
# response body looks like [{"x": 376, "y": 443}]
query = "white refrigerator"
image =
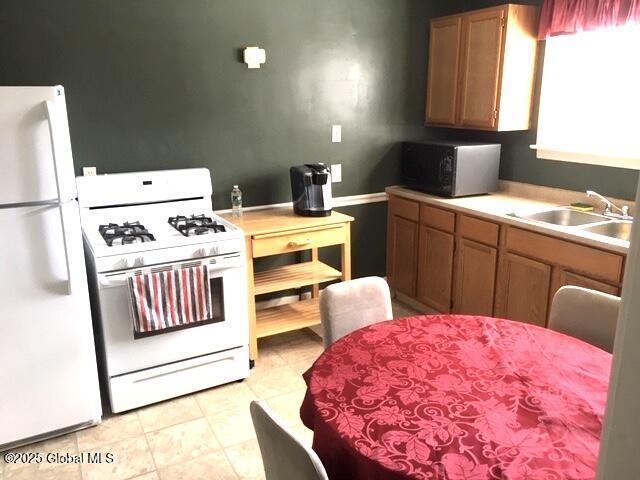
[{"x": 48, "y": 373}]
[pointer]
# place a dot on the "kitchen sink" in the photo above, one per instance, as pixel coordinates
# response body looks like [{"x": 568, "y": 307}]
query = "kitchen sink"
[
  {"x": 619, "y": 230},
  {"x": 566, "y": 217}
]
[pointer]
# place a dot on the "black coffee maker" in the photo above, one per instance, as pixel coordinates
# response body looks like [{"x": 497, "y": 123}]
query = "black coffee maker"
[{"x": 311, "y": 190}]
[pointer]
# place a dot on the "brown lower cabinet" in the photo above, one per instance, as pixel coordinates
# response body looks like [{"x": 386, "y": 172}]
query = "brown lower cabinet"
[
  {"x": 561, "y": 277},
  {"x": 523, "y": 289},
  {"x": 402, "y": 246},
  {"x": 475, "y": 278},
  {"x": 435, "y": 268},
  {"x": 454, "y": 262}
]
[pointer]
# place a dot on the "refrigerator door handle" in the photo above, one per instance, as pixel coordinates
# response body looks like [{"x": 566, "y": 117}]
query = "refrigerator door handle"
[
  {"x": 51, "y": 115},
  {"x": 66, "y": 248},
  {"x": 55, "y": 154}
]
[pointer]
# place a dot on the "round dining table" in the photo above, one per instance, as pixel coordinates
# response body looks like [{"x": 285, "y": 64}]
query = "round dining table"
[{"x": 457, "y": 397}]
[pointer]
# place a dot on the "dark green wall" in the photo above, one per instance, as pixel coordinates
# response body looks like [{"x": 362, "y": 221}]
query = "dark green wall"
[{"x": 155, "y": 84}]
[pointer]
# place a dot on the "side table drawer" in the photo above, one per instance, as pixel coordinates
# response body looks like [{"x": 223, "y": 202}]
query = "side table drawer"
[{"x": 296, "y": 240}]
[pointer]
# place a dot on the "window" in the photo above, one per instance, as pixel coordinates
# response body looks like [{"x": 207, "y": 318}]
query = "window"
[{"x": 590, "y": 99}]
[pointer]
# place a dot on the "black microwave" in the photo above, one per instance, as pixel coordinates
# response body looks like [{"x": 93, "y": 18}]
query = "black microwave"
[{"x": 451, "y": 169}]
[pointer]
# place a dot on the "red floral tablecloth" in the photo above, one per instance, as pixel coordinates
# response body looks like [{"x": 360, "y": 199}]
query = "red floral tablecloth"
[{"x": 451, "y": 397}]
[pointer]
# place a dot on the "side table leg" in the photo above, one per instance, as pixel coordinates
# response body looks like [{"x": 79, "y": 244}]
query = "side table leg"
[
  {"x": 346, "y": 255},
  {"x": 315, "y": 288}
]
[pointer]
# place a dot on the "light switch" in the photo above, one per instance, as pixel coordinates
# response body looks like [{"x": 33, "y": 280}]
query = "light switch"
[
  {"x": 89, "y": 171},
  {"x": 336, "y": 133},
  {"x": 336, "y": 173}
]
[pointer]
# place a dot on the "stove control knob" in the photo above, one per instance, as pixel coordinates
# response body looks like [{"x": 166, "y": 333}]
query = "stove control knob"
[
  {"x": 127, "y": 263},
  {"x": 201, "y": 252},
  {"x": 215, "y": 251},
  {"x": 139, "y": 262}
]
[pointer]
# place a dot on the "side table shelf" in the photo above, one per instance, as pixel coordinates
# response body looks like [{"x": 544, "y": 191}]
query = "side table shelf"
[
  {"x": 285, "y": 318},
  {"x": 294, "y": 276}
]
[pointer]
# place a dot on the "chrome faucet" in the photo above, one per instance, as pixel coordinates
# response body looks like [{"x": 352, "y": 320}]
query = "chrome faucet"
[{"x": 609, "y": 206}]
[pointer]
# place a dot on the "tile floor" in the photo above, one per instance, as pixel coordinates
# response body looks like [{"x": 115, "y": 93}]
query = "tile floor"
[{"x": 206, "y": 435}]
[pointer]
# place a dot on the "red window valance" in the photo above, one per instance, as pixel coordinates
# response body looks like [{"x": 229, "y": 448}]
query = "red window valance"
[{"x": 560, "y": 17}]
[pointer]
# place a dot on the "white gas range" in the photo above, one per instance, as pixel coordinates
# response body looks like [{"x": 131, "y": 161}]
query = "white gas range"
[{"x": 145, "y": 222}]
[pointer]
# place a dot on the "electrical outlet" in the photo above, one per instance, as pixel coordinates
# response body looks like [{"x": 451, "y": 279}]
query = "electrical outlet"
[
  {"x": 336, "y": 173},
  {"x": 336, "y": 133},
  {"x": 89, "y": 171}
]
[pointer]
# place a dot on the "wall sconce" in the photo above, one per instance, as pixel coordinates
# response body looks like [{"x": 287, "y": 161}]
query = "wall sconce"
[{"x": 254, "y": 57}]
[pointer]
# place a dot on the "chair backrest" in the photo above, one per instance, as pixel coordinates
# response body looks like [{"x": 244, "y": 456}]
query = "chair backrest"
[
  {"x": 585, "y": 314},
  {"x": 347, "y": 306},
  {"x": 283, "y": 455}
]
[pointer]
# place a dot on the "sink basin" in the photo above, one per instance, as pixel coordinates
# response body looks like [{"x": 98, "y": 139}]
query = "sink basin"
[
  {"x": 566, "y": 217},
  {"x": 619, "y": 230}
]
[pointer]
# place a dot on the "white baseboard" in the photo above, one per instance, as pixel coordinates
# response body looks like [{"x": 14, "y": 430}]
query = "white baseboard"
[{"x": 414, "y": 303}]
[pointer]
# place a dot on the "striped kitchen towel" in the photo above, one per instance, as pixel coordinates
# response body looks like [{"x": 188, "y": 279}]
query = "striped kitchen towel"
[{"x": 172, "y": 298}]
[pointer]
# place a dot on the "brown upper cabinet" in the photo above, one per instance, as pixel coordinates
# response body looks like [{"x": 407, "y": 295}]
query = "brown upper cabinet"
[
  {"x": 444, "y": 64},
  {"x": 482, "y": 68}
]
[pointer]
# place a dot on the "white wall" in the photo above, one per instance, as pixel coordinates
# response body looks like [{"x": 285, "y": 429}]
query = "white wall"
[{"x": 620, "y": 441}]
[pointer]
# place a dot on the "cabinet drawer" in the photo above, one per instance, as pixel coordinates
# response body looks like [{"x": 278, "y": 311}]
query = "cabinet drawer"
[
  {"x": 579, "y": 258},
  {"x": 404, "y": 208},
  {"x": 478, "y": 230},
  {"x": 563, "y": 277},
  {"x": 143, "y": 387},
  {"x": 438, "y": 218},
  {"x": 296, "y": 240}
]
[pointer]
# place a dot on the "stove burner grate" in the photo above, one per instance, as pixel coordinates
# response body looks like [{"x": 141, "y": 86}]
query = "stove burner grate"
[
  {"x": 195, "y": 225},
  {"x": 125, "y": 234}
]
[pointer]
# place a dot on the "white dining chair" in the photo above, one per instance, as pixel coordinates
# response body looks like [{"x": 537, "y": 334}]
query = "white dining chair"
[
  {"x": 283, "y": 455},
  {"x": 585, "y": 314},
  {"x": 347, "y": 306}
]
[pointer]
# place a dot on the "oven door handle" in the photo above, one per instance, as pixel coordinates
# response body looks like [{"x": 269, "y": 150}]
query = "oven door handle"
[
  {"x": 121, "y": 280},
  {"x": 113, "y": 282}
]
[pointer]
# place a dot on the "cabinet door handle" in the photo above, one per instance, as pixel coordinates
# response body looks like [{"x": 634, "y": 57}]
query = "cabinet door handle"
[{"x": 308, "y": 241}]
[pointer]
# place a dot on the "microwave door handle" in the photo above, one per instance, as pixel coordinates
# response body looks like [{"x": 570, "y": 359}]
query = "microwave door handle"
[{"x": 441, "y": 173}]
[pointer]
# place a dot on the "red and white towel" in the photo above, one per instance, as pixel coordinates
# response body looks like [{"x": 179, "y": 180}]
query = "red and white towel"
[{"x": 170, "y": 299}]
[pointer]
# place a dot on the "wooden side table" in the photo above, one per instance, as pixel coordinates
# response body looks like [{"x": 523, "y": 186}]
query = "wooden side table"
[{"x": 276, "y": 231}]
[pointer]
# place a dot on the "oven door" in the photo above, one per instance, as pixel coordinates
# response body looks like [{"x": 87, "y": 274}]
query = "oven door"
[{"x": 125, "y": 353}]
